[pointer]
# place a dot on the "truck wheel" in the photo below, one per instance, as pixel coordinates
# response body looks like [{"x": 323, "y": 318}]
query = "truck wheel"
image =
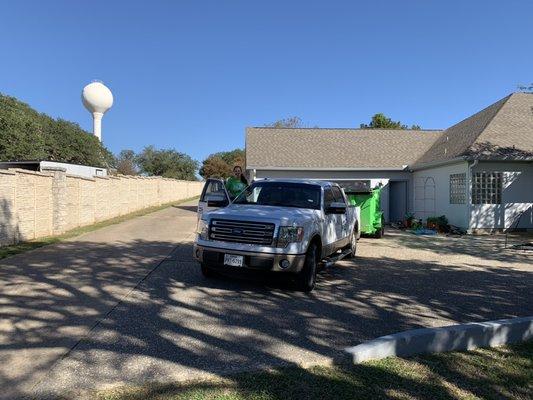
[
  {"x": 206, "y": 271},
  {"x": 306, "y": 279},
  {"x": 352, "y": 246}
]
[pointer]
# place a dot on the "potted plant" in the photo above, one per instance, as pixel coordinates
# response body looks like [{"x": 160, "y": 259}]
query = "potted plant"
[
  {"x": 409, "y": 217},
  {"x": 439, "y": 224},
  {"x": 431, "y": 223}
]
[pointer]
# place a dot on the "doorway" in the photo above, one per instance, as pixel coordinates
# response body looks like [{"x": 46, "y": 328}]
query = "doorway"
[{"x": 397, "y": 200}]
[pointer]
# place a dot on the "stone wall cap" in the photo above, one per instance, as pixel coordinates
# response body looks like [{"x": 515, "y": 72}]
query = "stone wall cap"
[{"x": 29, "y": 172}]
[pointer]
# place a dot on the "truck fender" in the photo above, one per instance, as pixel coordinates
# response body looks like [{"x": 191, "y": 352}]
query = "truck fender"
[{"x": 315, "y": 238}]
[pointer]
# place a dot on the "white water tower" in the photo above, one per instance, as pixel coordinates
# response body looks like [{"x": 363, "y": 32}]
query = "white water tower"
[{"x": 97, "y": 98}]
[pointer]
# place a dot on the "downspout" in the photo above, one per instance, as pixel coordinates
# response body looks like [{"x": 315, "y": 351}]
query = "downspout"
[{"x": 469, "y": 192}]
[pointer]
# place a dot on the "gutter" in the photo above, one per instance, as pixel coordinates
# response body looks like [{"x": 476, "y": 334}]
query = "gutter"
[
  {"x": 434, "y": 164},
  {"x": 402, "y": 168},
  {"x": 437, "y": 163},
  {"x": 469, "y": 194}
]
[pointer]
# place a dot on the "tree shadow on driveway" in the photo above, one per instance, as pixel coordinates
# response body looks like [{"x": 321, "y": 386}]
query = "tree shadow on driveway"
[{"x": 177, "y": 325}]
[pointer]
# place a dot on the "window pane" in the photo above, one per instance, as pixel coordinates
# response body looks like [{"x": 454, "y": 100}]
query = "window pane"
[
  {"x": 328, "y": 197},
  {"x": 337, "y": 194},
  {"x": 486, "y": 187},
  {"x": 457, "y": 188}
]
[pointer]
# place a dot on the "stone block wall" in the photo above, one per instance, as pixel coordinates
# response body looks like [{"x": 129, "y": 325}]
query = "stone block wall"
[{"x": 39, "y": 204}]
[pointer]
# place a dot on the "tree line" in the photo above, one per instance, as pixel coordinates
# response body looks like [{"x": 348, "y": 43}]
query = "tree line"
[
  {"x": 378, "y": 121},
  {"x": 26, "y": 134},
  {"x": 172, "y": 164}
]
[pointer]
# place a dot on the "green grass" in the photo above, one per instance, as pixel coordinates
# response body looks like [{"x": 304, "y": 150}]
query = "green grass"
[
  {"x": 504, "y": 372},
  {"x": 22, "y": 247}
]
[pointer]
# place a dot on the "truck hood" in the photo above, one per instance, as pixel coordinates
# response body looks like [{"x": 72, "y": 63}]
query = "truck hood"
[{"x": 250, "y": 212}]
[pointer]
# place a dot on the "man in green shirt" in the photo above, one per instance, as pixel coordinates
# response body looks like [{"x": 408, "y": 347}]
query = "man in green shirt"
[{"x": 237, "y": 183}]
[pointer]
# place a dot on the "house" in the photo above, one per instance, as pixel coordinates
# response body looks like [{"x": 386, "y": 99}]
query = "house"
[
  {"x": 478, "y": 173},
  {"x": 72, "y": 169}
]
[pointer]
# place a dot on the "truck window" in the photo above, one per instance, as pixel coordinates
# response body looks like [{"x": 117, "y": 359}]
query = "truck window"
[
  {"x": 338, "y": 195},
  {"x": 283, "y": 194},
  {"x": 213, "y": 187},
  {"x": 328, "y": 197}
]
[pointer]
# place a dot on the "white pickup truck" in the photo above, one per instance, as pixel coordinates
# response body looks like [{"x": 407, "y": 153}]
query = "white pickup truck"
[{"x": 288, "y": 226}]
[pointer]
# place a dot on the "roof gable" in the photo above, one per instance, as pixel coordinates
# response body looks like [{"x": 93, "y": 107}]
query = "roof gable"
[
  {"x": 510, "y": 133},
  {"x": 503, "y": 130}
]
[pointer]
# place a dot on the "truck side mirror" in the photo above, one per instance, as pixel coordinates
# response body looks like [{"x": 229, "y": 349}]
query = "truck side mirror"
[{"x": 336, "y": 208}]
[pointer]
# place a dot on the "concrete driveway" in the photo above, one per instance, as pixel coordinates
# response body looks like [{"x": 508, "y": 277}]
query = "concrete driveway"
[
  {"x": 176, "y": 325},
  {"x": 53, "y": 296}
]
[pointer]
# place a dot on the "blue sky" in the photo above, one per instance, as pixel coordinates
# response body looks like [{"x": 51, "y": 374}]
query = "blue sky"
[{"x": 192, "y": 75}]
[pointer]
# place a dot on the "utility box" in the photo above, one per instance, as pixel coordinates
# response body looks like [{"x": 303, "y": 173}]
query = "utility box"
[{"x": 371, "y": 216}]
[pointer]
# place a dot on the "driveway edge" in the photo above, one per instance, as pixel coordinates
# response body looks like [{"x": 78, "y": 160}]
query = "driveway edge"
[{"x": 448, "y": 338}]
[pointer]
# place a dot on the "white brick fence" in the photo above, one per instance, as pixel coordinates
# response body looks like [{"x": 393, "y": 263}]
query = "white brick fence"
[{"x": 38, "y": 204}]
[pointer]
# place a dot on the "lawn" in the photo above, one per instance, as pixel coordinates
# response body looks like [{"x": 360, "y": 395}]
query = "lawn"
[
  {"x": 504, "y": 372},
  {"x": 21, "y": 247}
]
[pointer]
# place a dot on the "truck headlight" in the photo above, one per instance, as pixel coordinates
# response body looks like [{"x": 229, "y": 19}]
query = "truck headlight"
[
  {"x": 290, "y": 234},
  {"x": 202, "y": 229}
]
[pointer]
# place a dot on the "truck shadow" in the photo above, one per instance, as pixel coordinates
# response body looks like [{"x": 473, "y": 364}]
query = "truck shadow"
[{"x": 193, "y": 209}]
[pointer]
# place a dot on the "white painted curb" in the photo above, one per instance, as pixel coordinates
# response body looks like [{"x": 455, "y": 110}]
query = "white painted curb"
[{"x": 447, "y": 338}]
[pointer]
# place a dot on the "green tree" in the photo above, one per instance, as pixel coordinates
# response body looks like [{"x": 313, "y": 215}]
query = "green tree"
[
  {"x": 126, "y": 163},
  {"x": 26, "y": 134},
  {"x": 220, "y": 165},
  {"x": 215, "y": 167},
  {"x": 381, "y": 121},
  {"x": 291, "y": 122},
  {"x": 168, "y": 163}
]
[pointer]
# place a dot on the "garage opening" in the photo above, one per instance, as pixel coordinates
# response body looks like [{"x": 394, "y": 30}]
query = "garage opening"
[{"x": 397, "y": 200}]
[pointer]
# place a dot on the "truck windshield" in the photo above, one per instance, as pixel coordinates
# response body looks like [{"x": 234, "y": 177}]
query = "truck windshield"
[{"x": 283, "y": 194}]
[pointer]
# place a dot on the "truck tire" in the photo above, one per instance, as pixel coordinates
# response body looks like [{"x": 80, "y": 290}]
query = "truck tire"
[
  {"x": 352, "y": 246},
  {"x": 206, "y": 271},
  {"x": 306, "y": 278}
]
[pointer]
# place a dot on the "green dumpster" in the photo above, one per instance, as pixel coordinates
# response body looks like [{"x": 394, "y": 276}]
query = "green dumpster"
[{"x": 371, "y": 217}]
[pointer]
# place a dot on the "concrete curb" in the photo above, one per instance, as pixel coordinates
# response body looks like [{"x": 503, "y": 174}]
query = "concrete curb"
[{"x": 447, "y": 338}]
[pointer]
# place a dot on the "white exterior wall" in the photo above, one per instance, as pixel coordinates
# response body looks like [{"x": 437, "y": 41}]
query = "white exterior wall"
[
  {"x": 429, "y": 204},
  {"x": 517, "y": 196},
  {"x": 74, "y": 169},
  {"x": 375, "y": 177}
]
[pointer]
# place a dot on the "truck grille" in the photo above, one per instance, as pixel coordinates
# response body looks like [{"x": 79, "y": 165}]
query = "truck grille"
[{"x": 241, "y": 231}]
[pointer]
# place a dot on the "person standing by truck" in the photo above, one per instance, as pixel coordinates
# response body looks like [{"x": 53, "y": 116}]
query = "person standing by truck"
[{"x": 237, "y": 183}]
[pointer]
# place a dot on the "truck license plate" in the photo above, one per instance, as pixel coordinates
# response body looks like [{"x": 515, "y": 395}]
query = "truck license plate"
[{"x": 233, "y": 260}]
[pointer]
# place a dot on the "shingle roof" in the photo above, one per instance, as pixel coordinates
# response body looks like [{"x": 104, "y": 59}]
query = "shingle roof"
[
  {"x": 503, "y": 130},
  {"x": 335, "y": 148}
]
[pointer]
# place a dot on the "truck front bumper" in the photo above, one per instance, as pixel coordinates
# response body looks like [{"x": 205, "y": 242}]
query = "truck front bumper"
[{"x": 214, "y": 257}]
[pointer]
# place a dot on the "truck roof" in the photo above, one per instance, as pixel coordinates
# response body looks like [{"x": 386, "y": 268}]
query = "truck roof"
[{"x": 294, "y": 180}]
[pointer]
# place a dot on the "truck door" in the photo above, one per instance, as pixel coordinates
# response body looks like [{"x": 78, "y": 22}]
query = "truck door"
[
  {"x": 342, "y": 228},
  {"x": 214, "y": 195},
  {"x": 329, "y": 233}
]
